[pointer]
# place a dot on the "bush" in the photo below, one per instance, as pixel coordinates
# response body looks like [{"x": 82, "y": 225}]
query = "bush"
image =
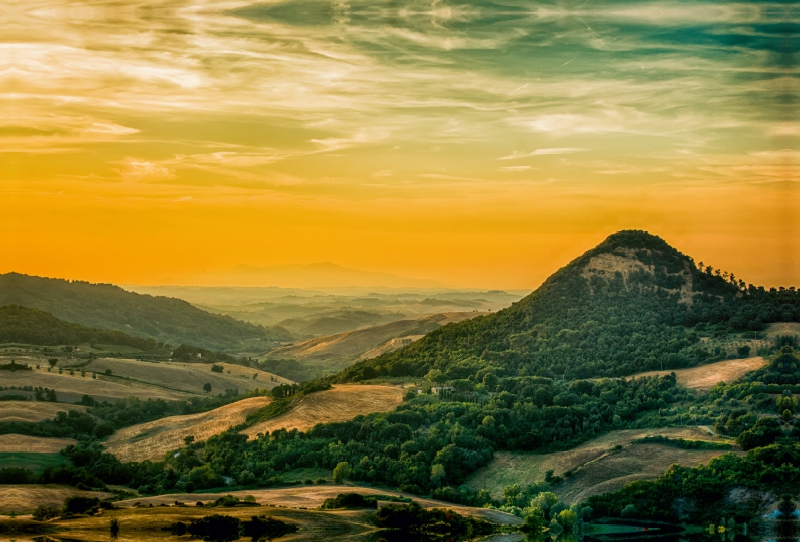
[
  {"x": 44, "y": 512},
  {"x": 217, "y": 368},
  {"x": 80, "y": 505},
  {"x": 266, "y": 528},
  {"x": 216, "y": 528},
  {"x": 349, "y": 500}
]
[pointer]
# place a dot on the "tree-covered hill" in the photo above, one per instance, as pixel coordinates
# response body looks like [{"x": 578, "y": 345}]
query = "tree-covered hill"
[
  {"x": 109, "y": 307},
  {"x": 628, "y": 305},
  {"x": 32, "y": 326}
]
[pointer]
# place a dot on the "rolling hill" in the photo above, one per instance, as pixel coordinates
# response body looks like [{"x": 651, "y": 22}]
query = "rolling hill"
[
  {"x": 108, "y": 307},
  {"x": 629, "y": 305}
]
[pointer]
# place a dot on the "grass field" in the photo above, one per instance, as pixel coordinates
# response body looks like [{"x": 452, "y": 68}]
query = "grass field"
[
  {"x": 132, "y": 378},
  {"x": 38, "y": 445},
  {"x": 33, "y": 411},
  {"x": 313, "y": 497},
  {"x": 596, "y": 466},
  {"x": 339, "y": 404},
  {"x": 24, "y": 499},
  {"x": 33, "y": 461},
  {"x": 152, "y": 440},
  {"x": 707, "y": 376}
]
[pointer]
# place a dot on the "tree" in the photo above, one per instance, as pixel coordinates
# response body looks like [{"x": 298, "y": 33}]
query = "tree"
[
  {"x": 437, "y": 474},
  {"x": 207, "y": 387},
  {"x": 52, "y": 362},
  {"x": 216, "y": 528},
  {"x": 217, "y": 368},
  {"x": 342, "y": 472},
  {"x": 187, "y": 440}
]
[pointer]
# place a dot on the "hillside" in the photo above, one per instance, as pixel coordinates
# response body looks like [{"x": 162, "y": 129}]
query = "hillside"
[
  {"x": 32, "y": 326},
  {"x": 334, "y": 352},
  {"x": 629, "y": 305},
  {"x": 109, "y": 307}
]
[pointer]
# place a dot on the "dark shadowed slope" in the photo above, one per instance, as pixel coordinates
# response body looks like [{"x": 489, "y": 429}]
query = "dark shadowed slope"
[{"x": 105, "y": 306}]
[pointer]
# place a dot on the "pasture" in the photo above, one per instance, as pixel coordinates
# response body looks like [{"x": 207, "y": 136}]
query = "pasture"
[
  {"x": 596, "y": 466},
  {"x": 339, "y": 404},
  {"x": 152, "y": 440}
]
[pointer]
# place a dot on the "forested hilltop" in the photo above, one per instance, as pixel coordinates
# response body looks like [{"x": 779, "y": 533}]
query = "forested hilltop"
[
  {"x": 109, "y": 307},
  {"x": 633, "y": 303}
]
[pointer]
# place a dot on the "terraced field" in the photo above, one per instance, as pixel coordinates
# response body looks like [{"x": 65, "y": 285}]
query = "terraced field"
[
  {"x": 152, "y": 440},
  {"x": 595, "y": 465},
  {"x": 339, "y": 404}
]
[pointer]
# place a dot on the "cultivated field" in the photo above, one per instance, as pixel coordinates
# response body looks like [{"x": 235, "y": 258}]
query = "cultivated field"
[
  {"x": 596, "y": 466},
  {"x": 131, "y": 378},
  {"x": 152, "y": 440},
  {"x": 40, "y": 445},
  {"x": 313, "y": 497},
  {"x": 339, "y": 404},
  {"x": 24, "y": 499},
  {"x": 33, "y": 411},
  {"x": 707, "y": 376}
]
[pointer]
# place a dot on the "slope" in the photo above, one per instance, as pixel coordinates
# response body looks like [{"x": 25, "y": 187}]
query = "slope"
[
  {"x": 626, "y": 306},
  {"x": 334, "y": 352},
  {"x": 32, "y": 326},
  {"x": 109, "y": 307}
]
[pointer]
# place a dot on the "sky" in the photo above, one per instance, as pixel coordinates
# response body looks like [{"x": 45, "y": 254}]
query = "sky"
[{"x": 481, "y": 144}]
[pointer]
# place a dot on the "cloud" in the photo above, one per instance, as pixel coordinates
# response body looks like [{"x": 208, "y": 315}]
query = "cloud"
[
  {"x": 542, "y": 152},
  {"x": 514, "y": 168},
  {"x": 137, "y": 170}
]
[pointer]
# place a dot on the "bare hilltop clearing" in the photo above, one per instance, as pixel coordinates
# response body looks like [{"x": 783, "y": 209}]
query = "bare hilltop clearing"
[
  {"x": 33, "y": 411},
  {"x": 313, "y": 496},
  {"x": 37, "y": 445},
  {"x": 596, "y": 466},
  {"x": 707, "y": 376},
  {"x": 24, "y": 499},
  {"x": 339, "y": 404},
  {"x": 151, "y": 440}
]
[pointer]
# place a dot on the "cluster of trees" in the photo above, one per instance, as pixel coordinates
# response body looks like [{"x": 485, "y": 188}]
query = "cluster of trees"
[
  {"x": 32, "y": 326},
  {"x": 222, "y": 528},
  {"x": 104, "y": 306},
  {"x": 411, "y": 520},
  {"x": 579, "y": 324}
]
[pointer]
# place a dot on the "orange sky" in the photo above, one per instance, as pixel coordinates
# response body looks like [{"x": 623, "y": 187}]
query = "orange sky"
[{"x": 468, "y": 145}]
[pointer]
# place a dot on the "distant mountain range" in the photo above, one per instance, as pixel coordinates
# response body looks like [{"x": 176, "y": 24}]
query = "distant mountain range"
[
  {"x": 317, "y": 275},
  {"x": 109, "y": 307}
]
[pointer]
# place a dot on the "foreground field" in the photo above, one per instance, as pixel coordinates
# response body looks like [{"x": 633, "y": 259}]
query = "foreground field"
[
  {"x": 707, "y": 376},
  {"x": 596, "y": 466},
  {"x": 33, "y": 411},
  {"x": 339, "y": 404},
  {"x": 24, "y": 499},
  {"x": 42, "y": 445},
  {"x": 313, "y": 497},
  {"x": 154, "y": 439}
]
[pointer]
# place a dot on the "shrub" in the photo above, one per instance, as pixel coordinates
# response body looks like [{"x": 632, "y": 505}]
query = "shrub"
[{"x": 44, "y": 512}]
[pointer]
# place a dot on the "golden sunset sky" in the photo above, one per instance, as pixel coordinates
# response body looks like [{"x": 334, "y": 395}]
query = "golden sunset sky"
[{"x": 480, "y": 144}]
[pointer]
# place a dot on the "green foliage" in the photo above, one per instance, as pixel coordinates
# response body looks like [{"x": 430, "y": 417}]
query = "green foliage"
[
  {"x": 44, "y": 512},
  {"x": 412, "y": 519},
  {"x": 216, "y": 528},
  {"x": 79, "y": 504},
  {"x": 349, "y": 500},
  {"x": 108, "y": 307},
  {"x": 31, "y": 326},
  {"x": 266, "y": 528},
  {"x": 195, "y": 353},
  {"x": 342, "y": 472},
  {"x": 14, "y": 366},
  {"x": 598, "y": 324},
  {"x": 683, "y": 443}
]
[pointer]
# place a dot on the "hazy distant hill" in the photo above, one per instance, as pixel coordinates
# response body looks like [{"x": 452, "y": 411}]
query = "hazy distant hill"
[
  {"x": 631, "y": 304},
  {"x": 105, "y": 306},
  {"x": 33, "y": 326},
  {"x": 317, "y": 275}
]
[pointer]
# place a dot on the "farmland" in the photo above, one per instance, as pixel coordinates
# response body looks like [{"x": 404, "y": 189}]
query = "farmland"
[
  {"x": 40, "y": 445},
  {"x": 154, "y": 439},
  {"x": 336, "y": 405},
  {"x": 24, "y": 498},
  {"x": 33, "y": 411},
  {"x": 707, "y": 376},
  {"x": 596, "y": 466},
  {"x": 108, "y": 379}
]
